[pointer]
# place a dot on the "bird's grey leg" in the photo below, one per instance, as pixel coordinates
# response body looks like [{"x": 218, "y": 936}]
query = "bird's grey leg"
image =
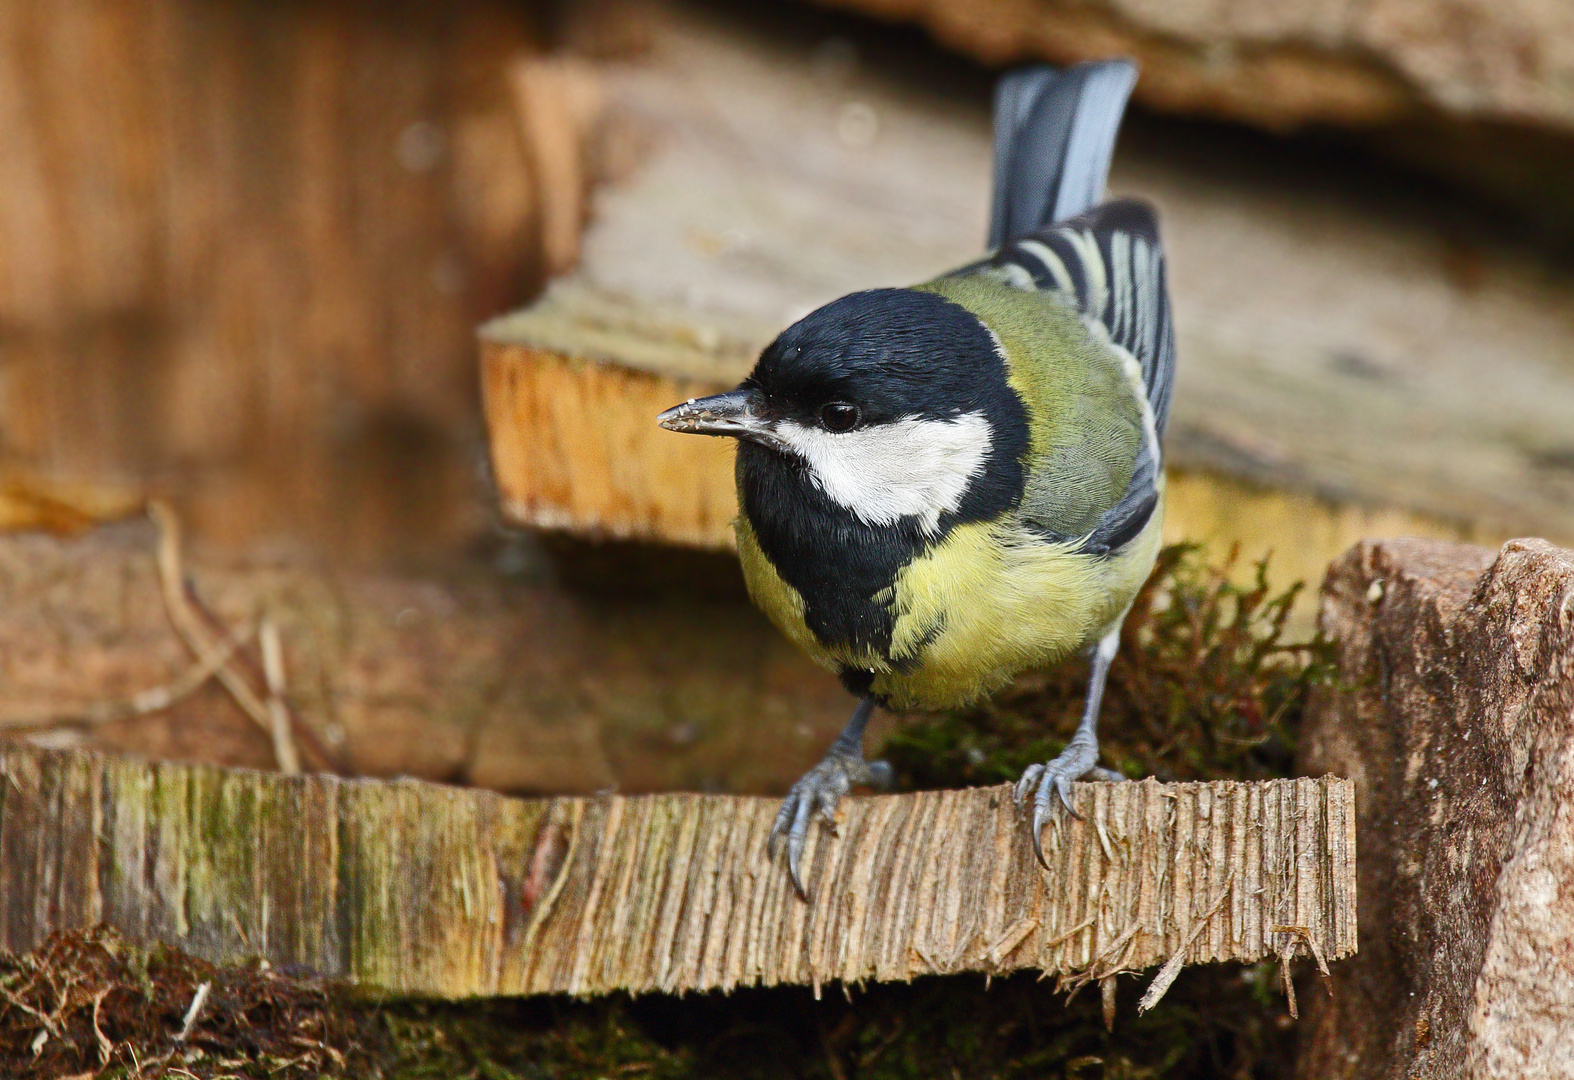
[
  {"x": 1080, "y": 757},
  {"x": 823, "y": 786}
]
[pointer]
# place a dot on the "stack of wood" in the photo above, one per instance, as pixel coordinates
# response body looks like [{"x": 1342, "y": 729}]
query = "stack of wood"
[
  {"x": 245, "y": 245},
  {"x": 1331, "y": 387}
]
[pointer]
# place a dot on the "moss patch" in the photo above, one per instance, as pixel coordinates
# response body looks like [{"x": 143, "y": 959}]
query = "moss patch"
[{"x": 114, "y": 1011}]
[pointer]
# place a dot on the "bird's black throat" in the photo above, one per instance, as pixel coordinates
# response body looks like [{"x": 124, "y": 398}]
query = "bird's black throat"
[{"x": 840, "y": 565}]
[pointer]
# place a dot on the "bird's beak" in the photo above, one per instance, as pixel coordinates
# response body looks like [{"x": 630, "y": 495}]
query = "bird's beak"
[{"x": 735, "y": 413}]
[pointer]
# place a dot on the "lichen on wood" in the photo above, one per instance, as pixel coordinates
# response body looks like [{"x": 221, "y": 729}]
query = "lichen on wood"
[{"x": 418, "y": 888}]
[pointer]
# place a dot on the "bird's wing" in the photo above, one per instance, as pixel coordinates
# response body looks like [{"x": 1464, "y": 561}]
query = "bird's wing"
[{"x": 1108, "y": 263}]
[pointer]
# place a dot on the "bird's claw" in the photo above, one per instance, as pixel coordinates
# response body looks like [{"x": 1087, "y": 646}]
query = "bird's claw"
[
  {"x": 820, "y": 789},
  {"x": 1055, "y": 778}
]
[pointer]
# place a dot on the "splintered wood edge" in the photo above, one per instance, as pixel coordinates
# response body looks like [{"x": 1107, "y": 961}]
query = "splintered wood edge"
[{"x": 417, "y": 888}]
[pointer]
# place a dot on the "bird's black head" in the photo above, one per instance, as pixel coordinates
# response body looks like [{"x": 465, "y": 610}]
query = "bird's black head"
[
  {"x": 866, "y": 431},
  {"x": 891, "y": 403},
  {"x": 894, "y": 354}
]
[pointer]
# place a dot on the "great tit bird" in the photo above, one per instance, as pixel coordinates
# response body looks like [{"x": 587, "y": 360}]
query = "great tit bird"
[{"x": 941, "y": 486}]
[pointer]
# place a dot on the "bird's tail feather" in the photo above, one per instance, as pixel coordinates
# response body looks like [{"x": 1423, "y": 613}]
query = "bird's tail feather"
[{"x": 1054, "y": 136}]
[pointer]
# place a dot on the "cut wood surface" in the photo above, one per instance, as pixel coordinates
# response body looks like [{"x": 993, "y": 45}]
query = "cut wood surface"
[
  {"x": 417, "y": 888},
  {"x": 1332, "y": 344}
]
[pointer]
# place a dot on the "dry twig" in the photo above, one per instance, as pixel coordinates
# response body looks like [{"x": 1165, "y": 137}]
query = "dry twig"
[
  {"x": 197, "y": 1001},
  {"x": 195, "y": 626},
  {"x": 273, "y": 670},
  {"x": 191, "y": 629}
]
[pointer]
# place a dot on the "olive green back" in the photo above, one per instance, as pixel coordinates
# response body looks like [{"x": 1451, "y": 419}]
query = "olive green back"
[{"x": 1085, "y": 419}]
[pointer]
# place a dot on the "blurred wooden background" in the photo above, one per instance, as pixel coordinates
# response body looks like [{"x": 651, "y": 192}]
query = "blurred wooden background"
[{"x": 243, "y": 245}]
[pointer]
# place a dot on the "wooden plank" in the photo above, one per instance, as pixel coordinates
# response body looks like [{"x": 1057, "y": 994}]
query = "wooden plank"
[
  {"x": 1290, "y": 65},
  {"x": 418, "y": 888},
  {"x": 1332, "y": 375}
]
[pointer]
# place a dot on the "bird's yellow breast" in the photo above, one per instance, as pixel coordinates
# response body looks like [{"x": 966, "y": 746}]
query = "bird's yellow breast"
[{"x": 989, "y": 601}]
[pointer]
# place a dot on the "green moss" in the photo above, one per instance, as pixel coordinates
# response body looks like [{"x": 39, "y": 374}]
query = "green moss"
[
  {"x": 514, "y": 1040},
  {"x": 258, "y": 1023},
  {"x": 1215, "y": 1022}
]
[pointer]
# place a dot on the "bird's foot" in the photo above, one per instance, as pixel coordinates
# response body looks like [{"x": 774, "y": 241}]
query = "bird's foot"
[
  {"x": 1078, "y": 761},
  {"x": 821, "y": 788}
]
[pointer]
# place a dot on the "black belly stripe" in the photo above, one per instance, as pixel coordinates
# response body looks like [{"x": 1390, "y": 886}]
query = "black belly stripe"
[
  {"x": 837, "y": 564},
  {"x": 856, "y": 680}
]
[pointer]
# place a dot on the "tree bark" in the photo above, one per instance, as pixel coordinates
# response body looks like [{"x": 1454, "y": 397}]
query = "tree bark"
[{"x": 1455, "y": 713}]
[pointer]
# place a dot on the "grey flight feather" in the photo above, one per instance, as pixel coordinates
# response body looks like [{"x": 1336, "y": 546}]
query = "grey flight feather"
[
  {"x": 1108, "y": 263},
  {"x": 1054, "y": 137}
]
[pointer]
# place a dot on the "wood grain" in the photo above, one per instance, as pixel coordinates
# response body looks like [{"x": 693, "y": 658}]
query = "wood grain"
[
  {"x": 581, "y": 451},
  {"x": 417, "y": 888}
]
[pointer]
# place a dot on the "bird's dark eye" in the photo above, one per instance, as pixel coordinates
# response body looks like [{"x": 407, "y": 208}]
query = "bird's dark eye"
[{"x": 839, "y": 416}]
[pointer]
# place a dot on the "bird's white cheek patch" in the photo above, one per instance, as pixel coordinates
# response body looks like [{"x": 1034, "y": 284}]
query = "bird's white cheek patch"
[{"x": 885, "y": 472}]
